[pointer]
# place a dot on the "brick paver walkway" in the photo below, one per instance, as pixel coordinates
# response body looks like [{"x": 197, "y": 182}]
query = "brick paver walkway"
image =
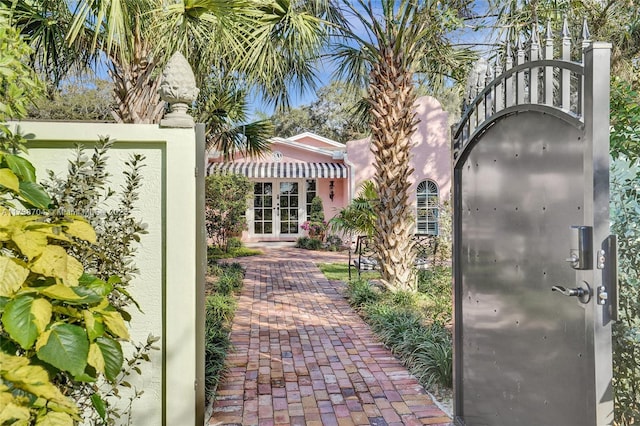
[{"x": 304, "y": 357}]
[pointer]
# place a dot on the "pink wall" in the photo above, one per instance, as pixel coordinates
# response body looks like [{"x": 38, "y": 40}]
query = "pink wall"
[{"x": 431, "y": 154}]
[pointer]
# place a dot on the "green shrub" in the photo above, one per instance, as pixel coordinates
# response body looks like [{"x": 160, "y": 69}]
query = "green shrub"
[
  {"x": 309, "y": 243},
  {"x": 219, "y": 314},
  {"x": 433, "y": 362},
  {"x": 399, "y": 320},
  {"x": 625, "y": 213},
  {"x": 360, "y": 293},
  {"x": 220, "y": 308},
  {"x": 333, "y": 243},
  {"x": 404, "y": 299},
  {"x": 437, "y": 286},
  {"x": 226, "y": 197}
]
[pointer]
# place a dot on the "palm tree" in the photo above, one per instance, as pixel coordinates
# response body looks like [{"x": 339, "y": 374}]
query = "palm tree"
[
  {"x": 404, "y": 44},
  {"x": 270, "y": 46}
]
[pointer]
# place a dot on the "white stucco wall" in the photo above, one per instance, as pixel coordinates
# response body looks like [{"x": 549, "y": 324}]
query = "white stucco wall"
[{"x": 166, "y": 285}]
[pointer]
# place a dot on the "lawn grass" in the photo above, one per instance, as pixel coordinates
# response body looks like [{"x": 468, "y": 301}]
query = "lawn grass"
[
  {"x": 340, "y": 272},
  {"x": 216, "y": 253}
]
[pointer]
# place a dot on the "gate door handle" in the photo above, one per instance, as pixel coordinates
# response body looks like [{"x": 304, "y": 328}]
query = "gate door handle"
[
  {"x": 583, "y": 294},
  {"x": 578, "y": 292}
]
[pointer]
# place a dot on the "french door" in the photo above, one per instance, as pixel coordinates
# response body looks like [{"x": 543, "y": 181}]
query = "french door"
[{"x": 276, "y": 208}]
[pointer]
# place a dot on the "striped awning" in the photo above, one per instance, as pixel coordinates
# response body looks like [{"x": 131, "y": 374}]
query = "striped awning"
[{"x": 282, "y": 170}]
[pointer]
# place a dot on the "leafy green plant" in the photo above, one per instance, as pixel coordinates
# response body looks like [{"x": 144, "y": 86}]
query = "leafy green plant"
[
  {"x": 220, "y": 309},
  {"x": 309, "y": 243},
  {"x": 358, "y": 218},
  {"x": 316, "y": 226},
  {"x": 226, "y": 203},
  {"x": 53, "y": 313},
  {"x": 85, "y": 191},
  {"x": 436, "y": 284},
  {"x": 361, "y": 293},
  {"x": 216, "y": 253},
  {"x": 625, "y": 215},
  {"x": 333, "y": 243}
]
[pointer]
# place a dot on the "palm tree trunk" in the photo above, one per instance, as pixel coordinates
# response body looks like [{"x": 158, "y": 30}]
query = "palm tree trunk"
[
  {"x": 136, "y": 85},
  {"x": 392, "y": 97}
]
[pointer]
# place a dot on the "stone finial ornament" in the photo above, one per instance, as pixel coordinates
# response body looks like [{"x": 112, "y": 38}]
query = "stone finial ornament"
[{"x": 178, "y": 89}]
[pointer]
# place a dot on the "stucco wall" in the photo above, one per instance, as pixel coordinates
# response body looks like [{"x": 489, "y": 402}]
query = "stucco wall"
[
  {"x": 431, "y": 153},
  {"x": 166, "y": 287}
]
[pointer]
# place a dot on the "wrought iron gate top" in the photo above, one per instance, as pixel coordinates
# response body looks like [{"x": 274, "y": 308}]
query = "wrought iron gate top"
[{"x": 535, "y": 82}]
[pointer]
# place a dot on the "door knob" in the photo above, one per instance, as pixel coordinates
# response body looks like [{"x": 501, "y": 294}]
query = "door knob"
[
  {"x": 582, "y": 293},
  {"x": 578, "y": 292}
]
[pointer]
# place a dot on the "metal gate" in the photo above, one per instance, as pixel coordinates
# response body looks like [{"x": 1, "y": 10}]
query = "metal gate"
[{"x": 534, "y": 265}]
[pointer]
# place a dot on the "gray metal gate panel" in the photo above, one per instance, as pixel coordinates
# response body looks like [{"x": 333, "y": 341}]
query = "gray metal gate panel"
[{"x": 526, "y": 170}]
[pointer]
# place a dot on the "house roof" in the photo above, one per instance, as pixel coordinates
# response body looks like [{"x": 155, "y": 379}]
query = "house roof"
[{"x": 334, "y": 150}]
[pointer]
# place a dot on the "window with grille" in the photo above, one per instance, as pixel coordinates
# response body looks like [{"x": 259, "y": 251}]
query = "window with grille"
[{"x": 427, "y": 202}]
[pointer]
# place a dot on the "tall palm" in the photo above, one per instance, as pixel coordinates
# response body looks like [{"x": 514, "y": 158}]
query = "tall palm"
[
  {"x": 404, "y": 43},
  {"x": 222, "y": 106},
  {"x": 267, "y": 44}
]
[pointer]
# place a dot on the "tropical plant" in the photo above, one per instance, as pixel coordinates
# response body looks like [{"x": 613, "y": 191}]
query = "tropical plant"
[
  {"x": 404, "y": 43},
  {"x": 358, "y": 217},
  {"x": 57, "y": 321},
  {"x": 269, "y": 46},
  {"x": 226, "y": 197}
]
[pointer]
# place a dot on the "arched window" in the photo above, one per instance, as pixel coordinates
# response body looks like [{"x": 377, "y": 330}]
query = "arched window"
[{"x": 427, "y": 201}]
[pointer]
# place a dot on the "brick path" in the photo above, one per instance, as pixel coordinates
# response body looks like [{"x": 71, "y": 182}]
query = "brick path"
[{"x": 303, "y": 357}]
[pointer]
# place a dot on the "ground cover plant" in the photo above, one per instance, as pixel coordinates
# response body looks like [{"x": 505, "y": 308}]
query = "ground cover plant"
[
  {"x": 224, "y": 282},
  {"x": 414, "y": 325}
]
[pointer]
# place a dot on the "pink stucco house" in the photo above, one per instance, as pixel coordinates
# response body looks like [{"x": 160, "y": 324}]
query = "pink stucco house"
[{"x": 308, "y": 165}]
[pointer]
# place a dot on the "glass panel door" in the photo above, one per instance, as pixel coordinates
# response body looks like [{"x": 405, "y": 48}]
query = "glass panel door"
[
  {"x": 289, "y": 208},
  {"x": 276, "y": 208},
  {"x": 263, "y": 208}
]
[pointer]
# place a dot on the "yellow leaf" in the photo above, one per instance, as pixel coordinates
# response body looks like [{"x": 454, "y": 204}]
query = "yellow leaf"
[
  {"x": 42, "y": 339},
  {"x": 80, "y": 228},
  {"x": 94, "y": 327},
  {"x": 33, "y": 379},
  {"x": 12, "y": 413},
  {"x": 55, "y": 262},
  {"x": 13, "y": 273},
  {"x": 30, "y": 243},
  {"x": 41, "y": 310},
  {"x": 60, "y": 292},
  {"x": 95, "y": 359},
  {"x": 5, "y": 217},
  {"x": 53, "y": 418},
  {"x": 114, "y": 322},
  {"x": 9, "y": 180}
]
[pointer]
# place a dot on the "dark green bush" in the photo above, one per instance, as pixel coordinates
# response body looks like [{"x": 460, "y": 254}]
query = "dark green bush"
[
  {"x": 437, "y": 285},
  {"x": 333, "y": 243},
  {"x": 309, "y": 243},
  {"x": 360, "y": 293},
  {"x": 406, "y": 323},
  {"x": 220, "y": 309}
]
